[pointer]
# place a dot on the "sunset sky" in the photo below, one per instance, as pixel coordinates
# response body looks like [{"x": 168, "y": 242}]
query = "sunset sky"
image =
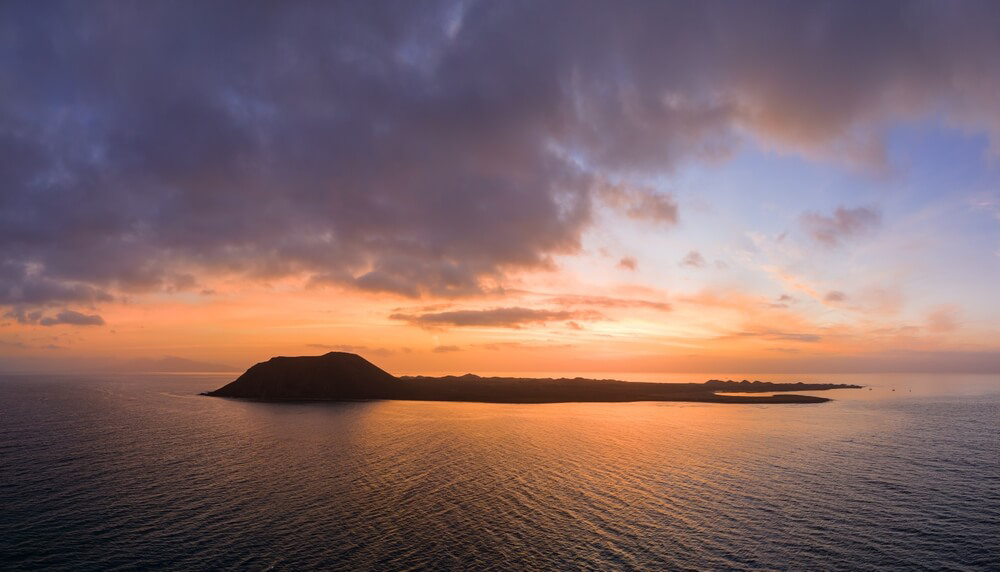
[{"x": 502, "y": 186}]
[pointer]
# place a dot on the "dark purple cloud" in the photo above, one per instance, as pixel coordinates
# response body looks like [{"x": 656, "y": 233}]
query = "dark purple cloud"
[
  {"x": 421, "y": 148},
  {"x": 72, "y": 318},
  {"x": 22, "y": 283}
]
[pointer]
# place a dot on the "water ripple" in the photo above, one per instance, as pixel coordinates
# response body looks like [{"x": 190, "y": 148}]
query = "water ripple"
[{"x": 121, "y": 474}]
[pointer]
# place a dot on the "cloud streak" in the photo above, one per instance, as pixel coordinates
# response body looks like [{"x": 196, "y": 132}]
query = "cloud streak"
[
  {"x": 609, "y": 302},
  {"x": 509, "y": 317},
  {"x": 772, "y": 335},
  {"x": 446, "y": 349},
  {"x": 65, "y": 317}
]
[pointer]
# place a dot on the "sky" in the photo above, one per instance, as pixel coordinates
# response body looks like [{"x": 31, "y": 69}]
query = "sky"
[{"x": 774, "y": 186}]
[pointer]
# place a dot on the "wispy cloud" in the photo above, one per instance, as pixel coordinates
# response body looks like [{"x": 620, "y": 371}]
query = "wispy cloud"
[
  {"x": 496, "y": 346},
  {"x": 782, "y": 301},
  {"x": 510, "y": 317},
  {"x": 446, "y": 349},
  {"x": 353, "y": 349},
  {"x": 628, "y": 263},
  {"x": 988, "y": 203},
  {"x": 639, "y": 203},
  {"x": 842, "y": 225},
  {"x": 943, "y": 319},
  {"x": 18, "y": 345},
  {"x": 694, "y": 259},
  {"x": 781, "y": 336},
  {"x": 568, "y": 300},
  {"x": 835, "y": 296}
]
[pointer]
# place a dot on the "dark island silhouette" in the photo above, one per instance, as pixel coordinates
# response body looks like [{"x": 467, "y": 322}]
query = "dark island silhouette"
[{"x": 339, "y": 376}]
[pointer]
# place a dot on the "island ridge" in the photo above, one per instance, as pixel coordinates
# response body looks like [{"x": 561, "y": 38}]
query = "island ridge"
[{"x": 340, "y": 376}]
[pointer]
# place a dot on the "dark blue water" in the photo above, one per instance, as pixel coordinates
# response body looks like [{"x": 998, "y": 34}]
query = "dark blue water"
[{"x": 141, "y": 473}]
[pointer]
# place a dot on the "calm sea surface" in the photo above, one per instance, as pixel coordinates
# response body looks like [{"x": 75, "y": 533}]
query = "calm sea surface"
[{"x": 141, "y": 473}]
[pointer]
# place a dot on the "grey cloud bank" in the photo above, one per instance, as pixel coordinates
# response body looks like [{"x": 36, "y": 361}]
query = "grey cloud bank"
[{"x": 422, "y": 148}]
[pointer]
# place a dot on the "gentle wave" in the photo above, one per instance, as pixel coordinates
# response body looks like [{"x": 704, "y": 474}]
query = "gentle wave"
[{"x": 118, "y": 473}]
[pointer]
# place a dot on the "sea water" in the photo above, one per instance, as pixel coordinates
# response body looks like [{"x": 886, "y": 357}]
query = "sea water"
[{"x": 140, "y": 472}]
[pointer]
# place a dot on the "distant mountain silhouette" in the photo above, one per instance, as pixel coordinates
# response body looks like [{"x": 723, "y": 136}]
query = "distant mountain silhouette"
[
  {"x": 346, "y": 376},
  {"x": 336, "y": 375},
  {"x": 169, "y": 364}
]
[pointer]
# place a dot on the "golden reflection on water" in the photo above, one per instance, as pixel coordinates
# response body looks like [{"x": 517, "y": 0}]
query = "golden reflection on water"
[{"x": 392, "y": 484}]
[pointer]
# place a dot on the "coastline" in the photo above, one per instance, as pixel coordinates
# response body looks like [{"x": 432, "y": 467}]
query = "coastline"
[{"x": 340, "y": 376}]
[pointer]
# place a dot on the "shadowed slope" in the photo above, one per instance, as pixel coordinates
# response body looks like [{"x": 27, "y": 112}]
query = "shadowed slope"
[
  {"x": 336, "y": 375},
  {"x": 344, "y": 376}
]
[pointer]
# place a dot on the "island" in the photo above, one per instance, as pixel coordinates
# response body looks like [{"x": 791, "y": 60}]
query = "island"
[{"x": 340, "y": 376}]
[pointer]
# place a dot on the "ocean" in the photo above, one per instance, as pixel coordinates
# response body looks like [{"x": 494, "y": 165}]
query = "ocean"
[{"x": 140, "y": 472}]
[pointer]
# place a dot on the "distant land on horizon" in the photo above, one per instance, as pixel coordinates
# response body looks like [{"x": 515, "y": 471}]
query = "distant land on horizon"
[
  {"x": 340, "y": 376},
  {"x": 169, "y": 364},
  {"x": 163, "y": 364}
]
